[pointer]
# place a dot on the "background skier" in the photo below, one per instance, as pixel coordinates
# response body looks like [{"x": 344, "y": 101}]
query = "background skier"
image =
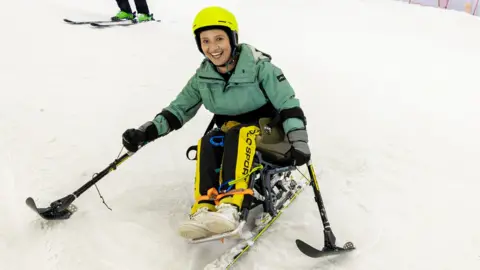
[{"x": 240, "y": 85}]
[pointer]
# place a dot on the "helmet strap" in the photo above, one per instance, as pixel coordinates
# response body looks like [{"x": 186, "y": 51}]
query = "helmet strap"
[{"x": 230, "y": 61}]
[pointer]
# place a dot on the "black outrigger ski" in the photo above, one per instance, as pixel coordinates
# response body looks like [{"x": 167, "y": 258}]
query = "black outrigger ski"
[
  {"x": 63, "y": 208},
  {"x": 60, "y": 209},
  {"x": 330, "y": 248},
  {"x": 326, "y": 251}
]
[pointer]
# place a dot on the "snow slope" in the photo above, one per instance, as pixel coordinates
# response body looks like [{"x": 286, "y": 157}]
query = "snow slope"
[{"x": 391, "y": 95}]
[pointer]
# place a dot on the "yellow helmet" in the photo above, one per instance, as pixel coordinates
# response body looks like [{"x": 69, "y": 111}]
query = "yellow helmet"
[{"x": 216, "y": 18}]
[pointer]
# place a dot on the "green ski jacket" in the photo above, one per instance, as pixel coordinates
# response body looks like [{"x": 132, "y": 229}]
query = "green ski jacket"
[{"x": 255, "y": 89}]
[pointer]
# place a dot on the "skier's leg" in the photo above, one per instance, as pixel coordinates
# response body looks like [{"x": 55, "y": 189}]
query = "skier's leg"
[
  {"x": 209, "y": 158},
  {"x": 124, "y": 5},
  {"x": 240, "y": 146},
  {"x": 238, "y": 157},
  {"x": 141, "y": 6}
]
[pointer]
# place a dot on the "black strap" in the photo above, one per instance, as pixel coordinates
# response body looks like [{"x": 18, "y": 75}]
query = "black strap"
[
  {"x": 190, "y": 149},
  {"x": 210, "y": 126},
  {"x": 264, "y": 92}
]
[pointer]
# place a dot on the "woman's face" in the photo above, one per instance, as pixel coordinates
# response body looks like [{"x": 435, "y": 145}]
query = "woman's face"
[{"x": 216, "y": 46}]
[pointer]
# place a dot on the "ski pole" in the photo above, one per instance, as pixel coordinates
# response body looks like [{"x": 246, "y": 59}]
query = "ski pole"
[
  {"x": 330, "y": 246},
  {"x": 328, "y": 233},
  {"x": 63, "y": 208}
]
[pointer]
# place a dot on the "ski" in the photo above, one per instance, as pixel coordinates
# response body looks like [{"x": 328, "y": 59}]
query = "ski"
[
  {"x": 105, "y": 23},
  {"x": 112, "y": 23},
  {"x": 53, "y": 212},
  {"x": 118, "y": 23},
  {"x": 85, "y": 22},
  {"x": 327, "y": 251},
  {"x": 231, "y": 256}
]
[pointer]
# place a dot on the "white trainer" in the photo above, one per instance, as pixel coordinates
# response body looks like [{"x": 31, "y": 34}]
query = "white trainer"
[
  {"x": 226, "y": 219},
  {"x": 195, "y": 228}
]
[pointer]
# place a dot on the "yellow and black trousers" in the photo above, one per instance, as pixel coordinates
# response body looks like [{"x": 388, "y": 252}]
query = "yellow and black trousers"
[{"x": 224, "y": 164}]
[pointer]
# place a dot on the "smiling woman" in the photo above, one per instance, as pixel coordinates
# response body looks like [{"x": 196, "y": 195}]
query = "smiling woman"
[{"x": 239, "y": 85}]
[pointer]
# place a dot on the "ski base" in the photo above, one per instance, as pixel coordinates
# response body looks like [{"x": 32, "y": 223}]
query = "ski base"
[
  {"x": 118, "y": 23},
  {"x": 231, "y": 256},
  {"x": 85, "y": 22},
  {"x": 106, "y": 23},
  {"x": 326, "y": 251}
]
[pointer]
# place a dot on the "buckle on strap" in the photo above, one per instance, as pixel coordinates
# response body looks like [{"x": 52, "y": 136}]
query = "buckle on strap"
[{"x": 215, "y": 196}]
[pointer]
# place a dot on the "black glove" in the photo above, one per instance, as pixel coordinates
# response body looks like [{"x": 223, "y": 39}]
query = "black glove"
[
  {"x": 300, "y": 152},
  {"x": 132, "y": 138}
]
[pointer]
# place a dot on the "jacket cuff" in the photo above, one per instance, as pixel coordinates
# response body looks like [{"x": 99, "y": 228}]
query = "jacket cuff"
[{"x": 173, "y": 122}]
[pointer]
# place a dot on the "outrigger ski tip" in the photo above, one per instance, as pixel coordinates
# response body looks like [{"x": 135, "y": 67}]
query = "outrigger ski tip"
[
  {"x": 58, "y": 210},
  {"x": 63, "y": 208},
  {"x": 326, "y": 251}
]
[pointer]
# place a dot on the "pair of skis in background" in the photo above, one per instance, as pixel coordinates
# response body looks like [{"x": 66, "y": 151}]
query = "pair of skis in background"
[{"x": 106, "y": 23}]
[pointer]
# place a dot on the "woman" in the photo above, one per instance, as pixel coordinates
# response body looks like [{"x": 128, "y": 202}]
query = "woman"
[{"x": 239, "y": 85}]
